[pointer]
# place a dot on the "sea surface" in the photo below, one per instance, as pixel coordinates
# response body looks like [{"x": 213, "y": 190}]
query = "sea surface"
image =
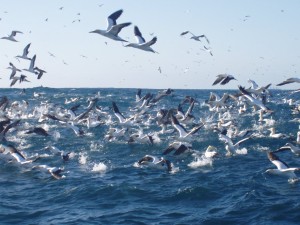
[{"x": 103, "y": 185}]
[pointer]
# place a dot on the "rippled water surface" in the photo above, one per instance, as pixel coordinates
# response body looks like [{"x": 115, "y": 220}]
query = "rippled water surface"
[{"x": 102, "y": 185}]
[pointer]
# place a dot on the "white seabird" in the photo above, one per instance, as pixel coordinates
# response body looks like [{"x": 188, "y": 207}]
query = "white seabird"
[
  {"x": 183, "y": 134},
  {"x": 195, "y": 37},
  {"x": 253, "y": 100},
  {"x": 113, "y": 28},
  {"x": 155, "y": 162},
  {"x": 11, "y": 37},
  {"x": 289, "y": 146},
  {"x": 14, "y": 70},
  {"x": 223, "y": 79},
  {"x": 141, "y": 43},
  {"x": 54, "y": 171},
  {"x": 31, "y": 66},
  {"x": 282, "y": 167},
  {"x": 25, "y": 53},
  {"x": 230, "y": 147},
  {"x": 289, "y": 81}
]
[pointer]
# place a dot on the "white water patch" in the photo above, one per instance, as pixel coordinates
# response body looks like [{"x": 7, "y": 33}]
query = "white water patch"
[
  {"x": 263, "y": 149},
  {"x": 100, "y": 167},
  {"x": 56, "y": 135},
  {"x": 96, "y": 146},
  {"x": 242, "y": 151},
  {"x": 82, "y": 158},
  {"x": 200, "y": 162}
]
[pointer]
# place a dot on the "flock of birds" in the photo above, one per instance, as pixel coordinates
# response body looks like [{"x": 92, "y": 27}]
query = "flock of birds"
[
  {"x": 31, "y": 69},
  {"x": 112, "y": 31},
  {"x": 181, "y": 128},
  {"x": 131, "y": 126}
]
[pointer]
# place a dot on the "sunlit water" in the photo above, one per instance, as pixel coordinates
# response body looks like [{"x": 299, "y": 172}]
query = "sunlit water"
[{"x": 102, "y": 185}]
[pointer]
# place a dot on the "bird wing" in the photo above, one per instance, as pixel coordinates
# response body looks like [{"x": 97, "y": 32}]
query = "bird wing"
[
  {"x": 112, "y": 19},
  {"x": 26, "y": 51},
  {"x": 219, "y": 78},
  {"x": 288, "y": 81},
  {"x": 138, "y": 35},
  {"x": 277, "y": 162},
  {"x": 117, "y": 28},
  {"x": 118, "y": 114},
  {"x": 151, "y": 42},
  {"x": 168, "y": 150},
  {"x": 182, "y": 131},
  {"x": 181, "y": 149}
]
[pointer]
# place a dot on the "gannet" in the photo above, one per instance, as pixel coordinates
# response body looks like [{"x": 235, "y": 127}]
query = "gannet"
[
  {"x": 289, "y": 81},
  {"x": 11, "y": 37},
  {"x": 25, "y": 53},
  {"x": 282, "y": 167},
  {"x": 141, "y": 43},
  {"x": 31, "y": 66},
  {"x": 195, "y": 37},
  {"x": 155, "y": 162},
  {"x": 183, "y": 134},
  {"x": 289, "y": 146},
  {"x": 14, "y": 70},
  {"x": 223, "y": 79},
  {"x": 113, "y": 28}
]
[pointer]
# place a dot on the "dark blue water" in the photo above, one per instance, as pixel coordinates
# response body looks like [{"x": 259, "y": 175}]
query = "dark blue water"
[{"x": 102, "y": 185}]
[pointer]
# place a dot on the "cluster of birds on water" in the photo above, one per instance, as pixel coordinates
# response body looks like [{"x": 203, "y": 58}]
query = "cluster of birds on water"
[{"x": 180, "y": 126}]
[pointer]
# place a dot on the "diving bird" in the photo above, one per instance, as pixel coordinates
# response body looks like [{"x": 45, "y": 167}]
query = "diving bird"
[
  {"x": 11, "y": 37},
  {"x": 113, "y": 28},
  {"x": 223, "y": 79},
  {"x": 289, "y": 81},
  {"x": 141, "y": 43},
  {"x": 282, "y": 167},
  {"x": 25, "y": 53}
]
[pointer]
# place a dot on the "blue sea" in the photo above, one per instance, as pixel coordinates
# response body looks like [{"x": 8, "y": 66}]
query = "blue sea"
[{"x": 102, "y": 185}]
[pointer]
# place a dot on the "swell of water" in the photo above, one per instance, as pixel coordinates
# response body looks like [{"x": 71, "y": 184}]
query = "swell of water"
[{"x": 102, "y": 185}]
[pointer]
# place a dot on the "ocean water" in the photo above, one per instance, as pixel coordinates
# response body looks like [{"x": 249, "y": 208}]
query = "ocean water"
[{"x": 102, "y": 185}]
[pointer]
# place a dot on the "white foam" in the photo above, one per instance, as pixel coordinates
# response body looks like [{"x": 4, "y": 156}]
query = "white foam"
[
  {"x": 100, "y": 167},
  {"x": 83, "y": 158},
  {"x": 200, "y": 161},
  {"x": 242, "y": 151}
]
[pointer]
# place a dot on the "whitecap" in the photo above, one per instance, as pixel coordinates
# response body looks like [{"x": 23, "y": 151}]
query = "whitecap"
[
  {"x": 242, "y": 151},
  {"x": 200, "y": 161},
  {"x": 100, "y": 167}
]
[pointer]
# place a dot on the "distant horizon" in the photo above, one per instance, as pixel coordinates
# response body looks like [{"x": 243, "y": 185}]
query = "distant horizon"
[{"x": 255, "y": 40}]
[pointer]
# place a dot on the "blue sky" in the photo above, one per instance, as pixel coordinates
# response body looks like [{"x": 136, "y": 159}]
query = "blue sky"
[{"x": 256, "y": 39}]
